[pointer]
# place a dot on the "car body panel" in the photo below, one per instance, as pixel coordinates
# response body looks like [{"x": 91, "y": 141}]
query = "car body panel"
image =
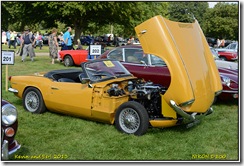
[{"x": 78, "y": 56}]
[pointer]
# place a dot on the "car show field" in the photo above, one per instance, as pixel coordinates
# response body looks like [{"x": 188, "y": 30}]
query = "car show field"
[{"x": 53, "y": 136}]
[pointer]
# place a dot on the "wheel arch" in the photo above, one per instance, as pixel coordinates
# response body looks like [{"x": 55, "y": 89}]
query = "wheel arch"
[
  {"x": 66, "y": 55},
  {"x": 37, "y": 88}
]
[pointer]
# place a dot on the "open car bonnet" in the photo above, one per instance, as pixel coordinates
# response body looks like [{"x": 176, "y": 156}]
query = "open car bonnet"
[{"x": 194, "y": 76}]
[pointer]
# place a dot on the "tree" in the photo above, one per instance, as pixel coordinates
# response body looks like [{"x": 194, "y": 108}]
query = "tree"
[
  {"x": 223, "y": 22},
  {"x": 187, "y": 11},
  {"x": 19, "y": 14},
  {"x": 80, "y": 15}
]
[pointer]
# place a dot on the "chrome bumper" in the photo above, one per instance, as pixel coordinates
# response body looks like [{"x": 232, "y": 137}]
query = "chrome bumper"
[
  {"x": 13, "y": 90},
  {"x": 190, "y": 119},
  {"x": 5, "y": 153}
]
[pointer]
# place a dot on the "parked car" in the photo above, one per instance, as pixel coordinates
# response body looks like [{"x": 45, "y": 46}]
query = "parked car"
[
  {"x": 73, "y": 57},
  {"x": 9, "y": 130},
  {"x": 221, "y": 63},
  {"x": 229, "y": 53},
  {"x": 153, "y": 68},
  {"x": 45, "y": 38},
  {"x": 211, "y": 41},
  {"x": 86, "y": 40},
  {"x": 105, "y": 91}
]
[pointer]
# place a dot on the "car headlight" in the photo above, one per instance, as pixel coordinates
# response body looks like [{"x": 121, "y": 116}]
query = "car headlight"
[
  {"x": 9, "y": 114},
  {"x": 226, "y": 80}
]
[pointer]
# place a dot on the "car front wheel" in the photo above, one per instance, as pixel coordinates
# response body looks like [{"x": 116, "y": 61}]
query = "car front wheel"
[
  {"x": 68, "y": 61},
  {"x": 33, "y": 101},
  {"x": 132, "y": 118}
]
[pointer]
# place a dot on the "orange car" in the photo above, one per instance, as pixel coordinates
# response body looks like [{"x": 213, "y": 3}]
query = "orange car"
[{"x": 73, "y": 57}]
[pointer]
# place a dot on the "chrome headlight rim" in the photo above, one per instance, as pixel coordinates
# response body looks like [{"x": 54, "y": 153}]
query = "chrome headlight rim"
[
  {"x": 9, "y": 114},
  {"x": 226, "y": 80}
]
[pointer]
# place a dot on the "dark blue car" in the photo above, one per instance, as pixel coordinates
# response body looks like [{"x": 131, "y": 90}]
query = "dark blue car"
[{"x": 86, "y": 40}]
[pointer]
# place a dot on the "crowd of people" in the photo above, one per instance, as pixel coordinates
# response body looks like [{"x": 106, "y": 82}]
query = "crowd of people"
[{"x": 28, "y": 41}]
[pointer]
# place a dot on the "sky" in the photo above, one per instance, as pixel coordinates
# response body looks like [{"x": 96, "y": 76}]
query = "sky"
[{"x": 211, "y": 4}]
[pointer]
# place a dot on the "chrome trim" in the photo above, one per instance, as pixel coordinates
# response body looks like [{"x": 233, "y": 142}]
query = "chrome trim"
[
  {"x": 13, "y": 90},
  {"x": 179, "y": 111},
  {"x": 5, "y": 153},
  {"x": 230, "y": 91},
  {"x": 193, "y": 117},
  {"x": 143, "y": 31}
]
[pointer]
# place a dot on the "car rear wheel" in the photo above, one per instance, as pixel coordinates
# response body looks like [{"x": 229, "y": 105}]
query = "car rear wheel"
[
  {"x": 68, "y": 61},
  {"x": 132, "y": 118},
  {"x": 33, "y": 101}
]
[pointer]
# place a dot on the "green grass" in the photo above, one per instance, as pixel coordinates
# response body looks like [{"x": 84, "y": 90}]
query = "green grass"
[{"x": 52, "y": 136}]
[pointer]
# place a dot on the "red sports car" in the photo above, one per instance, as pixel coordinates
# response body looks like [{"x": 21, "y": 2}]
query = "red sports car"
[
  {"x": 152, "y": 68},
  {"x": 73, "y": 57},
  {"x": 228, "y": 55}
]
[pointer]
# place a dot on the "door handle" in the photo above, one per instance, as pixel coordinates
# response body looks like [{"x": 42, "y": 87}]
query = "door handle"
[{"x": 54, "y": 88}]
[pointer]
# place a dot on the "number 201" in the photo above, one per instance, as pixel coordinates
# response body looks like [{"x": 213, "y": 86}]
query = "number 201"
[{"x": 6, "y": 58}]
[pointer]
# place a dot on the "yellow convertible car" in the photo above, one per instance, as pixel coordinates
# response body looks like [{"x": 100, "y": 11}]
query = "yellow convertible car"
[{"x": 103, "y": 90}]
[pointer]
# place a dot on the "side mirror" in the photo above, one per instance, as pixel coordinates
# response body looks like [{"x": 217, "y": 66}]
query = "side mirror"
[{"x": 144, "y": 63}]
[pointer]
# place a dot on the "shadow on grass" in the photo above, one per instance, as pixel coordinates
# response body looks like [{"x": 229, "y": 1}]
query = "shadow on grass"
[{"x": 227, "y": 102}]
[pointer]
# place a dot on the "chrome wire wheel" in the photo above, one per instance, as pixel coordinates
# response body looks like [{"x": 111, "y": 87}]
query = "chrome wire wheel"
[
  {"x": 67, "y": 62},
  {"x": 129, "y": 120},
  {"x": 32, "y": 101}
]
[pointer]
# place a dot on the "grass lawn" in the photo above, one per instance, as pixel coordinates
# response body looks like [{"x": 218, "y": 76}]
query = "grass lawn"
[{"x": 52, "y": 136}]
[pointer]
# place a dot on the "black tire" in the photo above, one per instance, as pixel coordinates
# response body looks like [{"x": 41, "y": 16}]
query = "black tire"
[
  {"x": 68, "y": 61},
  {"x": 132, "y": 118},
  {"x": 33, "y": 101}
]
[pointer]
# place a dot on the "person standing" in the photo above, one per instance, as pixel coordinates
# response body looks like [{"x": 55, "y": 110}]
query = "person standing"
[
  {"x": 79, "y": 46},
  {"x": 222, "y": 43},
  {"x": 4, "y": 38},
  {"x": 39, "y": 41},
  {"x": 67, "y": 39},
  {"x": 8, "y": 37},
  {"x": 53, "y": 45},
  {"x": 12, "y": 40},
  {"x": 218, "y": 43},
  {"x": 28, "y": 44}
]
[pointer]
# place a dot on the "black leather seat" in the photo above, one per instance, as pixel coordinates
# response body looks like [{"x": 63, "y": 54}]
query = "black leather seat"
[{"x": 65, "y": 80}]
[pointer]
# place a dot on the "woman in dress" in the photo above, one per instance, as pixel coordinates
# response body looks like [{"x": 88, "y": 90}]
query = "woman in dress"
[{"x": 53, "y": 45}]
